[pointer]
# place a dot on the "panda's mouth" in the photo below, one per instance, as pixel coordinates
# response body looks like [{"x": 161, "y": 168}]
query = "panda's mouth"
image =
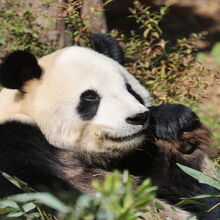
[{"x": 124, "y": 138}]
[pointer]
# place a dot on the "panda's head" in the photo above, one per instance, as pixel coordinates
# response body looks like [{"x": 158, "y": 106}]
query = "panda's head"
[{"x": 79, "y": 98}]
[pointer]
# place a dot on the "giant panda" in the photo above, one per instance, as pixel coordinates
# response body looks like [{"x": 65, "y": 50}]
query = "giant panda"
[{"x": 77, "y": 112}]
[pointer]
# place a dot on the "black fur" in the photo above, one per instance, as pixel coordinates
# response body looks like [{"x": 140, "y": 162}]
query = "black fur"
[
  {"x": 25, "y": 153},
  {"x": 107, "y": 45},
  {"x": 170, "y": 120},
  {"x": 88, "y": 105},
  {"x": 18, "y": 67}
]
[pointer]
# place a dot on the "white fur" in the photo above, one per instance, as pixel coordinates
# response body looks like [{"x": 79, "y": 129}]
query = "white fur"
[{"x": 52, "y": 101}]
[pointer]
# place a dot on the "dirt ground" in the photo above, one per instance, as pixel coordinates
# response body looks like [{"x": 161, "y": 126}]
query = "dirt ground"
[
  {"x": 209, "y": 112},
  {"x": 213, "y": 98}
]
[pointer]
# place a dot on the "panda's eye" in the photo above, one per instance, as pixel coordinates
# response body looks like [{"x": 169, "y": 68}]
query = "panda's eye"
[
  {"x": 132, "y": 92},
  {"x": 88, "y": 105},
  {"x": 90, "y": 96}
]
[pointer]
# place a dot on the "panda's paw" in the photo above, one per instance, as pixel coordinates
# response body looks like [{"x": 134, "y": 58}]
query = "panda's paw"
[{"x": 169, "y": 121}]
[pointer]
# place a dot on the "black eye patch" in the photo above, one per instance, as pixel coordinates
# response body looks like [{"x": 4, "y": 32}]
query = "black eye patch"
[
  {"x": 132, "y": 92},
  {"x": 88, "y": 105}
]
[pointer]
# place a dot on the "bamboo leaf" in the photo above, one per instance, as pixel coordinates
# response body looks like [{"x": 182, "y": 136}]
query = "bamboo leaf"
[
  {"x": 201, "y": 177},
  {"x": 44, "y": 198}
]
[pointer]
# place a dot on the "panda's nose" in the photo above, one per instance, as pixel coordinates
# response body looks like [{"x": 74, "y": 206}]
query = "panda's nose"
[{"x": 138, "y": 119}]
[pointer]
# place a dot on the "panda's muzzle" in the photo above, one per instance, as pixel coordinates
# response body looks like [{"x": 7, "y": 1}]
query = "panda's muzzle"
[
  {"x": 125, "y": 138},
  {"x": 137, "y": 119}
]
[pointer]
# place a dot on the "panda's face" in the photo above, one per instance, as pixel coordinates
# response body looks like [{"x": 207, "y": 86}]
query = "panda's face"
[{"x": 86, "y": 100}]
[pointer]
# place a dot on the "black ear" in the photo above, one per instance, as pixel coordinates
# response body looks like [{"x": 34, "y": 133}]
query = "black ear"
[
  {"x": 108, "y": 46},
  {"x": 18, "y": 67}
]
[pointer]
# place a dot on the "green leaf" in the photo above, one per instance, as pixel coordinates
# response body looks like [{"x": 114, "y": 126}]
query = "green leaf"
[
  {"x": 8, "y": 203},
  {"x": 17, "y": 182},
  {"x": 204, "y": 196},
  {"x": 146, "y": 32},
  {"x": 144, "y": 201},
  {"x": 15, "y": 214},
  {"x": 44, "y": 198},
  {"x": 29, "y": 206},
  {"x": 201, "y": 177},
  {"x": 190, "y": 201}
]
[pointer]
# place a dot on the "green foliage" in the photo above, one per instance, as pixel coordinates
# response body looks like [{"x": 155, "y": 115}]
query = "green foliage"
[
  {"x": 202, "y": 178},
  {"x": 115, "y": 199},
  {"x": 80, "y": 27},
  {"x": 74, "y": 22},
  {"x": 17, "y": 182},
  {"x": 19, "y": 29},
  {"x": 168, "y": 70}
]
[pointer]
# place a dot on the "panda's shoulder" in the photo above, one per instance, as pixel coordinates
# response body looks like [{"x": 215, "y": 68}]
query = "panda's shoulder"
[
  {"x": 16, "y": 131},
  {"x": 25, "y": 153},
  {"x": 24, "y": 147},
  {"x": 18, "y": 138}
]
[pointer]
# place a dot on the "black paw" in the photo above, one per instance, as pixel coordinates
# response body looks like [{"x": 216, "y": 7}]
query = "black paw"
[{"x": 169, "y": 121}]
